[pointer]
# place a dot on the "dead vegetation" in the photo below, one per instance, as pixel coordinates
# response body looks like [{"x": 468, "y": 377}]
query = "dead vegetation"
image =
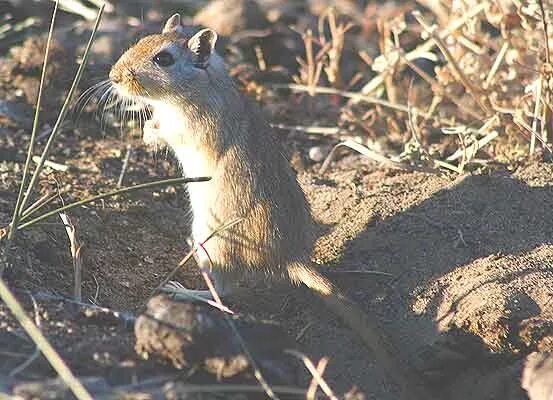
[{"x": 476, "y": 79}]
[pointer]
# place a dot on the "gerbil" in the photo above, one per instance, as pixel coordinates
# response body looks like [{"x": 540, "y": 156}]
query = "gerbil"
[{"x": 215, "y": 131}]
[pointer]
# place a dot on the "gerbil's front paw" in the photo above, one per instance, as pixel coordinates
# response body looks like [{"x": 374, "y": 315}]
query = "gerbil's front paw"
[{"x": 151, "y": 133}]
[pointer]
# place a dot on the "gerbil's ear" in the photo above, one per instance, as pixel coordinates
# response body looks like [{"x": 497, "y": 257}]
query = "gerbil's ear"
[
  {"x": 202, "y": 45},
  {"x": 172, "y": 24}
]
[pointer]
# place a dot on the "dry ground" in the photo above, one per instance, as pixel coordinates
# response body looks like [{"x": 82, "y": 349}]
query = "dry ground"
[{"x": 468, "y": 295}]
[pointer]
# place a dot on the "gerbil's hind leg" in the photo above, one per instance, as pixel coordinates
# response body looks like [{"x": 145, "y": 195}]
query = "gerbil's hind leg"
[
  {"x": 224, "y": 286},
  {"x": 182, "y": 293},
  {"x": 223, "y": 282}
]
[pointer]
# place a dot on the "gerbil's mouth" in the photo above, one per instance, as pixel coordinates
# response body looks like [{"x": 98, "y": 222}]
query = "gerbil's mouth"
[
  {"x": 125, "y": 92},
  {"x": 130, "y": 98}
]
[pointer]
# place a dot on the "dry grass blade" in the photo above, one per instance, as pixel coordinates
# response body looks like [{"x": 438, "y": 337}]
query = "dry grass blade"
[
  {"x": 347, "y": 94},
  {"x": 62, "y": 114},
  {"x": 545, "y": 34},
  {"x": 20, "y": 197},
  {"x": 257, "y": 372},
  {"x": 312, "y": 389},
  {"x": 336, "y": 46},
  {"x": 469, "y": 86},
  {"x": 77, "y": 7},
  {"x": 125, "y": 166},
  {"x": 422, "y": 51},
  {"x": 176, "y": 288},
  {"x": 37, "y": 205},
  {"x": 497, "y": 63},
  {"x": 76, "y": 247},
  {"x": 373, "y": 155},
  {"x": 128, "y": 189},
  {"x": 413, "y": 128},
  {"x": 315, "y": 130},
  {"x": 53, "y": 165},
  {"x": 314, "y": 372},
  {"x": 487, "y": 127},
  {"x": 20, "y": 368},
  {"x": 42, "y": 343}
]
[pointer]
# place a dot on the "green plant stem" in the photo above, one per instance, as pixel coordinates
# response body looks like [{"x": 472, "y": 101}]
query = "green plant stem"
[
  {"x": 128, "y": 189},
  {"x": 20, "y": 199},
  {"x": 61, "y": 116},
  {"x": 42, "y": 343}
]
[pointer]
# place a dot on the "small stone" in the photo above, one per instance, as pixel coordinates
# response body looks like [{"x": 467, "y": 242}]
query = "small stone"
[{"x": 316, "y": 154}]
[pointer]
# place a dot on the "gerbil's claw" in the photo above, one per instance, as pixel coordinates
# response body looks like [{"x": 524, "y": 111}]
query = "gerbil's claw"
[
  {"x": 181, "y": 293},
  {"x": 151, "y": 133}
]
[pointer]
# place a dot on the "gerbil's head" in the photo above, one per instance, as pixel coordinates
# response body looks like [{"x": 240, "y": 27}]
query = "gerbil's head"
[{"x": 161, "y": 66}]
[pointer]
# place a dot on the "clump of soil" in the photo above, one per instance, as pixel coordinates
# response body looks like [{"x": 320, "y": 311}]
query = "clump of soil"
[{"x": 20, "y": 72}]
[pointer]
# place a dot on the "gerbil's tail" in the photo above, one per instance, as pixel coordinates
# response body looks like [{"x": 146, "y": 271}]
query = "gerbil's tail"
[{"x": 363, "y": 324}]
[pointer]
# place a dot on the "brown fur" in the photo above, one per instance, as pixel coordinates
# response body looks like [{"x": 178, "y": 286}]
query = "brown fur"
[{"x": 251, "y": 179}]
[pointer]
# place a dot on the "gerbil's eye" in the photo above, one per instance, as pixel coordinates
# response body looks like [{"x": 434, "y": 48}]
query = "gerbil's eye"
[{"x": 164, "y": 59}]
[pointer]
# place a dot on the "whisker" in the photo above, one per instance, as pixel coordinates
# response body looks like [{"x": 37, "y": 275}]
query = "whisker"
[
  {"x": 85, "y": 98},
  {"x": 105, "y": 100}
]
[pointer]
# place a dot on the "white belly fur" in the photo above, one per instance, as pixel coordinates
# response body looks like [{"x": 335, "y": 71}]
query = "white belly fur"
[
  {"x": 202, "y": 197},
  {"x": 174, "y": 130}
]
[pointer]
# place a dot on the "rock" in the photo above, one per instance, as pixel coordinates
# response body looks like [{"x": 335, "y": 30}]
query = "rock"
[
  {"x": 229, "y": 17},
  {"x": 198, "y": 335}
]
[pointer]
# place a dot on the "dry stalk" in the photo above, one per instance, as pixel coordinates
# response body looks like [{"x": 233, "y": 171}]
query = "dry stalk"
[
  {"x": 310, "y": 69},
  {"x": 348, "y": 94},
  {"x": 125, "y": 166},
  {"x": 260, "y": 58},
  {"x": 439, "y": 89},
  {"x": 385, "y": 44},
  {"x": 329, "y": 55},
  {"x": 490, "y": 132},
  {"x": 373, "y": 155},
  {"x": 316, "y": 130},
  {"x": 314, "y": 372},
  {"x": 20, "y": 368},
  {"x": 192, "y": 254},
  {"x": 312, "y": 389},
  {"x": 423, "y": 50},
  {"x": 19, "y": 205},
  {"x": 128, "y": 189},
  {"x": 413, "y": 128},
  {"x": 336, "y": 46},
  {"x": 61, "y": 118},
  {"x": 537, "y": 102},
  {"x": 76, "y": 247},
  {"x": 37, "y": 205},
  {"x": 476, "y": 93},
  {"x": 497, "y": 63},
  {"x": 42, "y": 343}
]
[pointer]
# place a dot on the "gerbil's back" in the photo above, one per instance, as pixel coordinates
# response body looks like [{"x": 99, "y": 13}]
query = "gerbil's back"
[{"x": 257, "y": 183}]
